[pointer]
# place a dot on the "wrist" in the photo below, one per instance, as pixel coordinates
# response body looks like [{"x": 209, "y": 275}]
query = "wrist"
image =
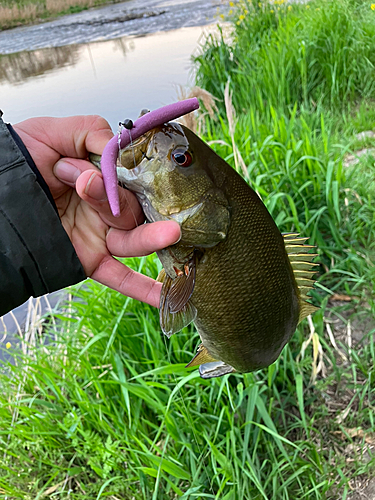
[{"x": 30, "y": 162}]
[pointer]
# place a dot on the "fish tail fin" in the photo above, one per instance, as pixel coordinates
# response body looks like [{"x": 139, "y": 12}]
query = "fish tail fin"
[
  {"x": 215, "y": 369},
  {"x": 209, "y": 367},
  {"x": 302, "y": 265}
]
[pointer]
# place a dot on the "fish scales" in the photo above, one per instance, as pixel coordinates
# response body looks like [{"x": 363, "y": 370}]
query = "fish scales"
[
  {"x": 255, "y": 277},
  {"x": 232, "y": 272}
]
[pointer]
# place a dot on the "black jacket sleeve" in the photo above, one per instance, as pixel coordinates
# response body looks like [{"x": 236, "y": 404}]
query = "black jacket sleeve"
[{"x": 36, "y": 255}]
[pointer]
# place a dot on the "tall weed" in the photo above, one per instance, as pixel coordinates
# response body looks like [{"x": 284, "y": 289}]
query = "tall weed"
[
  {"x": 297, "y": 73},
  {"x": 282, "y": 54}
]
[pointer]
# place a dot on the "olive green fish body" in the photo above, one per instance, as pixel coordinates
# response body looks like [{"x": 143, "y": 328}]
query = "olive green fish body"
[
  {"x": 232, "y": 272},
  {"x": 245, "y": 292}
]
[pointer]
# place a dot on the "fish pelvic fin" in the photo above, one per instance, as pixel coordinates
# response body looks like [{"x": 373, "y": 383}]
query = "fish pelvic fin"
[
  {"x": 161, "y": 276},
  {"x": 209, "y": 367},
  {"x": 176, "y": 308},
  {"x": 303, "y": 269}
]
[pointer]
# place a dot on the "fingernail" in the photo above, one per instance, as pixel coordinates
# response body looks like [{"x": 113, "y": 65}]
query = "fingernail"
[
  {"x": 66, "y": 172},
  {"x": 95, "y": 188}
]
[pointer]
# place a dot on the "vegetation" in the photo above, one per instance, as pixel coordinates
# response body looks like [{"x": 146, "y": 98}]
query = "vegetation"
[
  {"x": 106, "y": 409},
  {"x": 19, "y": 12}
]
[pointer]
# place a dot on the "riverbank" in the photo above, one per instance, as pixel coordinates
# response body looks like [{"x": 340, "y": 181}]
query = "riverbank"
[
  {"x": 131, "y": 18},
  {"x": 25, "y": 13}
]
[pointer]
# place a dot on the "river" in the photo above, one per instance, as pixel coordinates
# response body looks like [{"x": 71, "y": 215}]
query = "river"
[{"x": 113, "y": 61}]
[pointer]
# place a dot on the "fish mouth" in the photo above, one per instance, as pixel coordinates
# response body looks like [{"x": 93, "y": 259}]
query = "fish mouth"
[
  {"x": 131, "y": 156},
  {"x": 185, "y": 214}
]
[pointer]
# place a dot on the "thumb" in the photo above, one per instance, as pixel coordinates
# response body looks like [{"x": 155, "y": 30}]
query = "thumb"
[
  {"x": 88, "y": 182},
  {"x": 67, "y": 170}
]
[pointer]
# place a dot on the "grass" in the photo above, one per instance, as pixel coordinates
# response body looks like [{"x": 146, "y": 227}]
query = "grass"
[
  {"x": 104, "y": 407},
  {"x": 300, "y": 95},
  {"x": 108, "y": 409},
  {"x": 20, "y": 12}
]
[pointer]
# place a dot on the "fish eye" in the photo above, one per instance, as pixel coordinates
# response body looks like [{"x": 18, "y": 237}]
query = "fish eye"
[{"x": 182, "y": 158}]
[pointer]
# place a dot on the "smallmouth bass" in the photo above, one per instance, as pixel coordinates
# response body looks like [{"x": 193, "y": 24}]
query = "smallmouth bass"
[{"x": 242, "y": 283}]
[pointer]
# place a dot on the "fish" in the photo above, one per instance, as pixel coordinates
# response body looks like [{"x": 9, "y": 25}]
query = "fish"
[{"x": 242, "y": 282}]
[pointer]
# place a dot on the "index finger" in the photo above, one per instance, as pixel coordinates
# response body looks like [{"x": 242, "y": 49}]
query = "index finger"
[
  {"x": 73, "y": 136},
  {"x": 121, "y": 278}
]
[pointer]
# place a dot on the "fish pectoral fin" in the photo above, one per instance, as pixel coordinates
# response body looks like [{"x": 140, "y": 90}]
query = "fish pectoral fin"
[
  {"x": 202, "y": 356},
  {"x": 173, "y": 315},
  {"x": 215, "y": 369},
  {"x": 182, "y": 287}
]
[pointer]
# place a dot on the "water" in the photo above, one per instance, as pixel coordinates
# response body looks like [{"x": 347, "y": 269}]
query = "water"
[
  {"x": 115, "y": 78},
  {"x": 134, "y": 17},
  {"x": 112, "y": 61}
]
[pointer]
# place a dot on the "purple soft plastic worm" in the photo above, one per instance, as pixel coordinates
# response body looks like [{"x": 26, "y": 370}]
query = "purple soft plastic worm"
[{"x": 141, "y": 126}]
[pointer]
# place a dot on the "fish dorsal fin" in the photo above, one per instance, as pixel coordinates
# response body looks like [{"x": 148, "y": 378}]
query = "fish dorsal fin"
[
  {"x": 306, "y": 310},
  {"x": 301, "y": 262},
  {"x": 176, "y": 308}
]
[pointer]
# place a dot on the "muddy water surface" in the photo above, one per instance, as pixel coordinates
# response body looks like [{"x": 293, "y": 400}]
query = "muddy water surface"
[
  {"x": 115, "y": 78},
  {"x": 112, "y": 61}
]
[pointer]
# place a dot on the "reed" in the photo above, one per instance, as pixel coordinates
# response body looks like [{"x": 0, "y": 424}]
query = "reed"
[{"x": 21, "y": 12}]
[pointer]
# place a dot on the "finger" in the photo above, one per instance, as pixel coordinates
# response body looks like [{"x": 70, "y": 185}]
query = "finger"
[
  {"x": 67, "y": 170},
  {"x": 73, "y": 136},
  {"x": 117, "y": 276},
  {"x": 90, "y": 188},
  {"x": 89, "y": 184},
  {"x": 143, "y": 240}
]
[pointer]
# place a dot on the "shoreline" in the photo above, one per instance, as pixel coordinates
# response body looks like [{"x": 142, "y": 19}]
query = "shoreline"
[
  {"x": 111, "y": 21},
  {"x": 31, "y": 18}
]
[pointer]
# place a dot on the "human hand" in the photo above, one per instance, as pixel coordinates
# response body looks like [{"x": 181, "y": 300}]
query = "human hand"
[{"x": 59, "y": 148}]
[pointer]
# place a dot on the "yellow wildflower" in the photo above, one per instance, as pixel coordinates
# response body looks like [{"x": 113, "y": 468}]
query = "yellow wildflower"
[
  {"x": 231, "y": 4},
  {"x": 8, "y": 345},
  {"x": 272, "y": 11},
  {"x": 307, "y": 6},
  {"x": 241, "y": 17},
  {"x": 230, "y": 12},
  {"x": 259, "y": 4},
  {"x": 290, "y": 7},
  {"x": 373, "y": 6},
  {"x": 222, "y": 16}
]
